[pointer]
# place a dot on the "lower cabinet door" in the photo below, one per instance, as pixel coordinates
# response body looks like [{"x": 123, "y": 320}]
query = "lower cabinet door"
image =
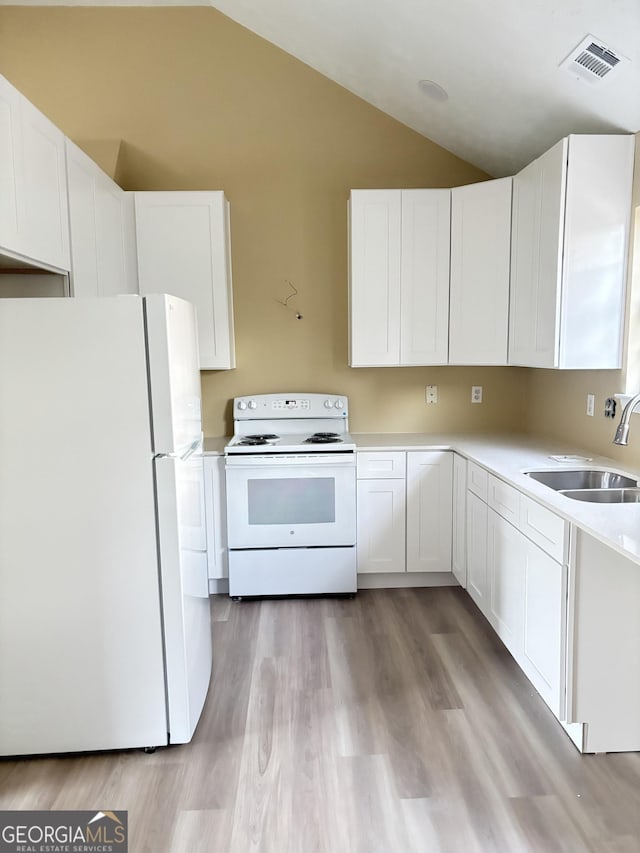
[
  {"x": 459, "y": 538},
  {"x": 381, "y": 525},
  {"x": 506, "y": 550},
  {"x": 477, "y": 582},
  {"x": 215, "y": 509},
  {"x": 543, "y": 652},
  {"x": 429, "y": 510}
]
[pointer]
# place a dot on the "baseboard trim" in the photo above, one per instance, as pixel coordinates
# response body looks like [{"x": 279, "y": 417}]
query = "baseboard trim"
[{"x": 400, "y": 581}]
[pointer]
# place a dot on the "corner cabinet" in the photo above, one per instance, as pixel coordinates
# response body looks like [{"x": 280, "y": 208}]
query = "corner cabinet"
[
  {"x": 570, "y": 230},
  {"x": 480, "y": 250},
  {"x": 102, "y": 230},
  {"x": 404, "y": 511},
  {"x": 184, "y": 249},
  {"x": 398, "y": 277},
  {"x": 34, "y": 224}
]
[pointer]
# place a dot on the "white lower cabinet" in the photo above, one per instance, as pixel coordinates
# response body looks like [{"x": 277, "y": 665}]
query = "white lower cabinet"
[
  {"x": 505, "y": 565},
  {"x": 381, "y": 525},
  {"x": 429, "y": 511},
  {"x": 459, "y": 521},
  {"x": 215, "y": 508},
  {"x": 520, "y": 585},
  {"x": 404, "y": 511},
  {"x": 543, "y": 652},
  {"x": 477, "y": 582}
]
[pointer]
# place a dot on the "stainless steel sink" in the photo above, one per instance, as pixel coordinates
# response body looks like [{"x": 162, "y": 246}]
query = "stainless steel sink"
[
  {"x": 583, "y": 479},
  {"x": 604, "y": 496}
]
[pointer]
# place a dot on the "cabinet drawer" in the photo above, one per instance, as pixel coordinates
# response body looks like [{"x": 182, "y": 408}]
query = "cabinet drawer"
[
  {"x": 477, "y": 480},
  {"x": 504, "y": 499},
  {"x": 375, "y": 465},
  {"x": 543, "y": 527}
]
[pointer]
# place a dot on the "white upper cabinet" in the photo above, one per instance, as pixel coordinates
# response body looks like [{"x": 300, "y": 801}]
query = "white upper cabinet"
[
  {"x": 480, "y": 250},
  {"x": 570, "y": 228},
  {"x": 101, "y": 219},
  {"x": 34, "y": 223},
  {"x": 183, "y": 249},
  {"x": 399, "y": 277},
  {"x": 10, "y": 215}
]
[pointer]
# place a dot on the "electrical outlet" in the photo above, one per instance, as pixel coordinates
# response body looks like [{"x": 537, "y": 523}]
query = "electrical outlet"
[
  {"x": 431, "y": 394},
  {"x": 591, "y": 404},
  {"x": 476, "y": 393}
]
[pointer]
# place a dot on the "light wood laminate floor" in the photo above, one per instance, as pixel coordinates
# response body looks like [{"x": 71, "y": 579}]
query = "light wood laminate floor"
[{"x": 393, "y": 722}]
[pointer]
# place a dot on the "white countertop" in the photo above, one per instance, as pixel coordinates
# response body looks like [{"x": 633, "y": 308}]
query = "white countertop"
[
  {"x": 507, "y": 456},
  {"x": 616, "y": 525}
]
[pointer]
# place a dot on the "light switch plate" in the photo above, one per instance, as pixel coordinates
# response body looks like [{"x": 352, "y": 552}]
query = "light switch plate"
[{"x": 431, "y": 394}]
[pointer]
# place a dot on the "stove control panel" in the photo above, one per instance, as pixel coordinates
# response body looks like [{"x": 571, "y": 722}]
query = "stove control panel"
[{"x": 290, "y": 406}]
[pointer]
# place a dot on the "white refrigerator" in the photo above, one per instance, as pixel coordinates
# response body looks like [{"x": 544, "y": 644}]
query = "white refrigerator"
[{"x": 105, "y": 632}]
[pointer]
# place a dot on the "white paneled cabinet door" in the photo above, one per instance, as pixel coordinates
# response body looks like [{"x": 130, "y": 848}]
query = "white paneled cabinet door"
[
  {"x": 10, "y": 166},
  {"x": 374, "y": 278},
  {"x": 505, "y": 564},
  {"x": 102, "y": 229},
  {"x": 424, "y": 293},
  {"x": 183, "y": 249},
  {"x": 459, "y": 538},
  {"x": 429, "y": 511},
  {"x": 544, "y": 633},
  {"x": 215, "y": 508},
  {"x": 477, "y": 581},
  {"x": 480, "y": 259},
  {"x": 381, "y": 525},
  {"x": 45, "y": 236},
  {"x": 571, "y": 212},
  {"x": 537, "y": 244}
]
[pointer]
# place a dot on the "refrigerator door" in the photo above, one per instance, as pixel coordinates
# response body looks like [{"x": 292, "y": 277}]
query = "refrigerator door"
[
  {"x": 174, "y": 376},
  {"x": 81, "y": 653},
  {"x": 184, "y": 590}
]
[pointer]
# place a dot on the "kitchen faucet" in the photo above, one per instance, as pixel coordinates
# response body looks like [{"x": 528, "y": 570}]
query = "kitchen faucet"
[{"x": 622, "y": 432}]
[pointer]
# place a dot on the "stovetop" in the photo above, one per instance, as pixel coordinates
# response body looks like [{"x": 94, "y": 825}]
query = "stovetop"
[
  {"x": 291, "y": 443},
  {"x": 290, "y": 423}
]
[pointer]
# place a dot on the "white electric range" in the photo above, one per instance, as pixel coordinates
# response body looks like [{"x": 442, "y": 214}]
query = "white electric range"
[{"x": 291, "y": 496}]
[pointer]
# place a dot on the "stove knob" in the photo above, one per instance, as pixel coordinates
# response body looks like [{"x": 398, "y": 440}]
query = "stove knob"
[
  {"x": 328, "y": 404},
  {"x": 242, "y": 405},
  {"x": 339, "y": 404},
  {"x": 253, "y": 404}
]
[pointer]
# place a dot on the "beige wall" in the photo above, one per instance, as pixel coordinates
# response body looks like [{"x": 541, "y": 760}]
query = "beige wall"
[{"x": 198, "y": 102}]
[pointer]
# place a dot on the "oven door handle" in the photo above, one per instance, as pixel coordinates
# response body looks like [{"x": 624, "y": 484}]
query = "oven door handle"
[{"x": 346, "y": 460}]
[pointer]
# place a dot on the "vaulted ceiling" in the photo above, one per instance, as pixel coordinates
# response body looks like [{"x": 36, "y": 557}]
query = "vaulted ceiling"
[{"x": 508, "y": 98}]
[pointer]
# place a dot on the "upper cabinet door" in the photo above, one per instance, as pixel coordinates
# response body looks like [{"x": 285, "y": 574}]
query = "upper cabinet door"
[
  {"x": 102, "y": 230},
  {"x": 571, "y": 212},
  {"x": 374, "y": 280},
  {"x": 10, "y": 166},
  {"x": 183, "y": 249},
  {"x": 34, "y": 223},
  {"x": 46, "y": 220},
  {"x": 424, "y": 292},
  {"x": 480, "y": 250},
  {"x": 537, "y": 245},
  {"x": 399, "y": 277}
]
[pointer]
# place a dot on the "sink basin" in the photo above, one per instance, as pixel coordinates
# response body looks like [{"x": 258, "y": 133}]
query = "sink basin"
[
  {"x": 604, "y": 496},
  {"x": 584, "y": 479}
]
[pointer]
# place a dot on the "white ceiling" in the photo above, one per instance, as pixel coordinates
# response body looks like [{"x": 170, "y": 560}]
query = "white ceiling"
[{"x": 498, "y": 60}]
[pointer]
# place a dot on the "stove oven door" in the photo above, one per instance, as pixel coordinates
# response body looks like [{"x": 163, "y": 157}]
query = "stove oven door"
[{"x": 291, "y": 501}]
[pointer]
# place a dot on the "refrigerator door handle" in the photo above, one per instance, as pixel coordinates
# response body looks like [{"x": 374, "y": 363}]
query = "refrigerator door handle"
[{"x": 193, "y": 448}]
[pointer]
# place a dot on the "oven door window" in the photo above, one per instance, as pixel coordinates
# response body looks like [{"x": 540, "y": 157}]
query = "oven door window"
[{"x": 292, "y": 500}]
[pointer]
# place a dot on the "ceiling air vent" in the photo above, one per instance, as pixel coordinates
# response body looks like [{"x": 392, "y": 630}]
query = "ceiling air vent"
[{"x": 592, "y": 60}]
